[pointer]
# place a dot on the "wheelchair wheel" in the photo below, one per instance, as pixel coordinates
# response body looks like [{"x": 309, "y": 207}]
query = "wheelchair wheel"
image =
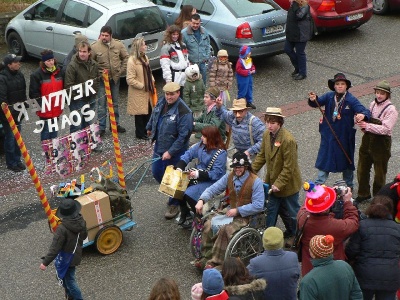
[{"x": 245, "y": 244}]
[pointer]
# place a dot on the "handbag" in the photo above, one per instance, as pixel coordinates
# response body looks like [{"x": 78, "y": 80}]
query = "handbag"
[
  {"x": 194, "y": 181},
  {"x": 63, "y": 261},
  {"x": 296, "y": 246}
]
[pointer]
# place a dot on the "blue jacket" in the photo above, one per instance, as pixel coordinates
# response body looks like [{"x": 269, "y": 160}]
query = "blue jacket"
[
  {"x": 280, "y": 269},
  {"x": 257, "y": 196},
  {"x": 171, "y": 130},
  {"x": 199, "y": 52},
  {"x": 241, "y": 131},
  {"x": 330, "y": 156},
  {"x": 199, "y": 151}
]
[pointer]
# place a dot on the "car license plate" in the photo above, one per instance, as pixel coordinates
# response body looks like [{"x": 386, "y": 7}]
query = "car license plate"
[
  {"x": 272, "y": 29},
  {"x": 354, "y": 17}
]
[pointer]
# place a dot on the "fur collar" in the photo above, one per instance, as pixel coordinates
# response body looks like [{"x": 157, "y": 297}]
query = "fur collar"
[{"x": 254, "y": 286}]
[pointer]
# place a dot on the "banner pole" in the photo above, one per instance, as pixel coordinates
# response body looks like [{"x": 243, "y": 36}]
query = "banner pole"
[
  {"x": 31, "y": 167},
  {"x": 114, "y": 131}
]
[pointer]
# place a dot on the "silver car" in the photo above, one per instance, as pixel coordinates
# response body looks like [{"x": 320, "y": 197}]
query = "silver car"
[
  {"x": 233, "y": 23},
  {"x": 52, "y": 24}
]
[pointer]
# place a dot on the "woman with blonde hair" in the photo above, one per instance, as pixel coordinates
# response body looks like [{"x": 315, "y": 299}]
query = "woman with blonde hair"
[
  {"x": 165, "y": 289},
  {"x": 174, "y": 57},
  {"x": 185, "y": 16},
  {"x": 298, "y": 31},
  {"x": 140, "y": 87}
]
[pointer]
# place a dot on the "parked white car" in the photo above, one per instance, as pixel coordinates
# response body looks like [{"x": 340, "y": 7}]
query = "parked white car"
[{"x": 52, "y": 24}]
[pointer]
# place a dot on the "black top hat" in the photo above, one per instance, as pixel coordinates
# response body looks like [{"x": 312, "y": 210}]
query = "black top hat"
[
  {"x": 240, "y": 159},
  {"x": 338, "y": 77},
  {"x": 68, "y": 208}
]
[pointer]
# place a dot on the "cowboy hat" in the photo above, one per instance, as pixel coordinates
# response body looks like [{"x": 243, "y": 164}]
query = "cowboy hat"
[
  {"x": 338, "y": 77},
  {"x": 68, "y": 208}
]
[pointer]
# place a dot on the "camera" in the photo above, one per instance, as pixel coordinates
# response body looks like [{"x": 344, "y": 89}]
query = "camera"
[{"x": 340, "y": 191}]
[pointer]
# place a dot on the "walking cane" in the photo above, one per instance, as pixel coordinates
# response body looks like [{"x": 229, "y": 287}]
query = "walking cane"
[{"x": 333, "y": 132}]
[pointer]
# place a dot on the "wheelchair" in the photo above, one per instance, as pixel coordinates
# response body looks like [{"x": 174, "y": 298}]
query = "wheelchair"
[{"x": 245, "y": 244}]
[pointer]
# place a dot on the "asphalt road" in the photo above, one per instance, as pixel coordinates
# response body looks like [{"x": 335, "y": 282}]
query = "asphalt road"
[{"x": 157, "y": 247}]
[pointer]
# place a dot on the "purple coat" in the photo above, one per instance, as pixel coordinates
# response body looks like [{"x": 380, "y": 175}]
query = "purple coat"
[{"x": 331, "y": 157}]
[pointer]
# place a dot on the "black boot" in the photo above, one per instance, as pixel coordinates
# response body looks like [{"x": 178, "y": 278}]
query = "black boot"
[{"x": 184, "y": 214}]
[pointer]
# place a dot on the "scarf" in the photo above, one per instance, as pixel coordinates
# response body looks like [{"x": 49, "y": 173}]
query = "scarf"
[{"x": 148, "y": 81}]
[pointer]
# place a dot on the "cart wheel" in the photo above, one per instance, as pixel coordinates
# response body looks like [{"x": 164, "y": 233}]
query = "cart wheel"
[{"x": 108, "y": 239}]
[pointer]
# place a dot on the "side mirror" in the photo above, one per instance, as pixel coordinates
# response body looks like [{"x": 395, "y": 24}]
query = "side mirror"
[{"x": 28, "y": 16}]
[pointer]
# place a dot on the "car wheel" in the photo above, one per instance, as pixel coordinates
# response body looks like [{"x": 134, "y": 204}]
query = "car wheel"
[
  {"x": 214, "y": 48},
  {"x": 15, "y": 44},
  {"x": 380, "y": 7}
]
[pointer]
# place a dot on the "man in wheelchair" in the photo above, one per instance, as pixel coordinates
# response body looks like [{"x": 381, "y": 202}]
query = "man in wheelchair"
[{"x": 246, "y": 195}]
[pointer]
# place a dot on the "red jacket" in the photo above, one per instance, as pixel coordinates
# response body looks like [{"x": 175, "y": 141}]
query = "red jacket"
[
  {"x": 323, "y": 224},
  {"x": 43, "y": 83},
  {"x": 221, "y": 296}
]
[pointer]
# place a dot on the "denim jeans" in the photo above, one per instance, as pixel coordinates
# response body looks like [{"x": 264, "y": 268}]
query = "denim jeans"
[
  {"x": 298, "y": 57},
  {"x": 71, "y": 286},
  {"x": 348, "y": 177},
  {"x": 203, "y": 72},
  {"x": 77, "y": 105},
  {"x": 158, "y": 168},
  {"x": 102, "y": 102},
  {"x": 11, "y": 148},
  {"x": 46, "y": 134},
  {"x": 291, "y": 203}
]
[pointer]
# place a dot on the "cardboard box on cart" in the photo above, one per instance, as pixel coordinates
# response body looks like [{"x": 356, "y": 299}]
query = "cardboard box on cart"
[{"x": 95, "y": 210}]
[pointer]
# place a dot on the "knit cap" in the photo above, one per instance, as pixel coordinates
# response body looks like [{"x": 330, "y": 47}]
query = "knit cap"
[
  {"x": 197, "y": 291},
  {"x": 322, "y": 245},
  {"x": 273, "y": 238},
  {"x": 244, "y": 50},
  {"x": 213, "y": 283}
]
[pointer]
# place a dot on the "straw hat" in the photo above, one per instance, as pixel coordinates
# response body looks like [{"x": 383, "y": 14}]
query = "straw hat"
[
  {"x": 239, "y": 104},
  {"x": 274, "y": 111}
]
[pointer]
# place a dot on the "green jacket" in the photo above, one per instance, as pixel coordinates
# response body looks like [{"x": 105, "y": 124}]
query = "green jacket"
[
  {"x": 330, "y": 280},
  {"x": 282, "y": 163},
  {"x": 193, "y": 94},
  {"x": 209, "y": 119},
  {"x": 79, "y": 71}
]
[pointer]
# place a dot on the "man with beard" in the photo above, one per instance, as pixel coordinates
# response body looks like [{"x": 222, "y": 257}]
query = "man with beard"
[{"x": 112, "y": 56}]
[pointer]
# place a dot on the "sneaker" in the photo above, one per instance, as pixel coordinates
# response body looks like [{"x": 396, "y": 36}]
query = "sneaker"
[
  {"x": 187, "y": 224},
  {"x": 172, "y": 212},
  {"x": 121, "y": 129},
  {"x": 14, "y": 168},
  {"x": 98, "y": 148},
  {"x": 295, "y": 73},
  {"x": 21, "y": 166},
  {"x": 251, "y": 105},
  {"x": 102, "y": 132}
]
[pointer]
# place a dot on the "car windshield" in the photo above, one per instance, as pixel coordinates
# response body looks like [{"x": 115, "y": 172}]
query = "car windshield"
[
  {"x": 128, "y": 24},
  {"x": 247, "y": 8}
]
